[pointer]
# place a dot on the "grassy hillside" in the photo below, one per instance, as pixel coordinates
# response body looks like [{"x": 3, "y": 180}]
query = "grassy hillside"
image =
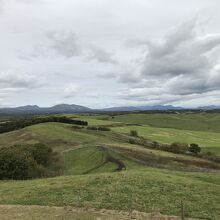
[
  {"x": 196, "y": 122},
  {"x": 95, "y": 159},
  {"x": 58, "y": 136},
  {"x": 200, "y": 128},
  {"x": 209, "y": 141},
  {"x": 143, "y": 190},
  {"x": 81, "y": 149},
  {"x": 150, "y": 181},
  {"x": 35, "y": 212}
]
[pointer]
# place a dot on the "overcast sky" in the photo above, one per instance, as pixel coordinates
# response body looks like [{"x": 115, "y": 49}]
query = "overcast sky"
[{"x": 102, "y": 53}]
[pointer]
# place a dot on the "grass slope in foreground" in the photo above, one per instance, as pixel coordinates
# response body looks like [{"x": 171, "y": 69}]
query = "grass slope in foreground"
[
  {"x": 19, "y": 212},
  {"x": 145, "y": 190}
]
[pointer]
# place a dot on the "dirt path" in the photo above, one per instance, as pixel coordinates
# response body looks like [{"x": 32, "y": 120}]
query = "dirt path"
[{"x": 19, "y": 212}]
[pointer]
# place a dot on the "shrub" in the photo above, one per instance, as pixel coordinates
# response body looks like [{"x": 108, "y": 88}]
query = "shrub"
[
  {"x": 194, "y": 148},
  {"x": 42, "y": 154},
  {"x": 102, "y": 128},
  {"x": 134, "y": 133},
  {"x": 16, "y": 164},
  {"x": 26, "y": 161},
  {"x": 132, "y": 141},
  {"x": 212, "y": 157},
  {"x": 178, "y": 147},
  {"x": 155, "y": 144}
]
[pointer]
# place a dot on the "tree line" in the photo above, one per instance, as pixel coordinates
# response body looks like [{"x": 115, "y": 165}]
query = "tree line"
[{"x": 24, "y": 122}]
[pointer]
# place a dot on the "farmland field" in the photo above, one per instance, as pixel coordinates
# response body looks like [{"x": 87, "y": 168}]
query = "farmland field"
[{"x": 201, "y": 128}]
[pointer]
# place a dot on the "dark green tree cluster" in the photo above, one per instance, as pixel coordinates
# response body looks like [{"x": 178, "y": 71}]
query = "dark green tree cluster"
[
  {"x": 194, "y": 148},
  {"x": 178, "y": 147},
  {"x": 24, "y": 122},
  {"x": 99, "y": 128},
  {"x": 26, "y": 162},
  {"x": 133, "y": 133}
]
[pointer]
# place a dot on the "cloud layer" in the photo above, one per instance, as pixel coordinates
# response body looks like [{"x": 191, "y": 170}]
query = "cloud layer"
[
  {"x": 104, "y": 53},
  {"x": 180, "y": 64}
]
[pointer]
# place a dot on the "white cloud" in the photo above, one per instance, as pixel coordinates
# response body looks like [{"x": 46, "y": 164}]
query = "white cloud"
[{"x": 71, "y": 90}]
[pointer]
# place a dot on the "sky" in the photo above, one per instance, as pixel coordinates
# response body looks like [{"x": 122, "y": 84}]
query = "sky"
[{"x": 101, "y": 53}]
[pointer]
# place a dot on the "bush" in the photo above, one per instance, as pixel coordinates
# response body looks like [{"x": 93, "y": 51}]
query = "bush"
[
  {"x": 134, "y": 133},
  {"x": 155, "y": 144},
  {"x": 132, "y": 141},
  {"x": 25, "y": 162},
  {"x": 212, "y": 157},
  {"x": 102, "y": 128},
  {"x": 194, "y": 148},
  {"x": 16, "y": 164},
  {"x": 178, "y": 148},
  {"x": 42, "y": 154}
]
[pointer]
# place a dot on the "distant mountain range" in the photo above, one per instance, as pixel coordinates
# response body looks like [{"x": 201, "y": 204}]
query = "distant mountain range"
[
  {"x": 66, "y": 108},
  {"x": 34, "y": 109},
  {"x": 142, "y": 108}
]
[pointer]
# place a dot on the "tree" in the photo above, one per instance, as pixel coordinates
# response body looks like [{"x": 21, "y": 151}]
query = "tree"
[
  {"x": 132, "y": 141},
  {"x": 40, "y": 153},
  {"x": 16, "y": 164},
  {"x": 28, "y": 161},
  {"x": 194, "y": 148},
  {"x": 178, "y": 147},
  {"x": 134, "y": 133}
]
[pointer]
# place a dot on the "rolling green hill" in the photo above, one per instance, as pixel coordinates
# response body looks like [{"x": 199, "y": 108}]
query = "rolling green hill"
[
  {"x": 200, "y": 128},
  {"x": 209, "y": 141},
  {"x": 195, "y": 121},
  {"x": 149, "y": 180}
]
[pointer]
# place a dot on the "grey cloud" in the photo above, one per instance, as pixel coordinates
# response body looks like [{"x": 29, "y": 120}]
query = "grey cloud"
[
  {"x": 179, "y": 65},
  {"x": 180, "y": 53},
  {"x": 12, "y": 80},
  {"x": 65, "y": 43},
  {"x": 1, "y": 6},
  {"x": 100, "y": 55},
  {"x": 152, "y": 96},
  {"x": 108, "y": 75}
]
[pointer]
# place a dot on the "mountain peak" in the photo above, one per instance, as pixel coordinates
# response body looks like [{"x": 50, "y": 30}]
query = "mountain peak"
[{"x": 28, "y": 107}]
